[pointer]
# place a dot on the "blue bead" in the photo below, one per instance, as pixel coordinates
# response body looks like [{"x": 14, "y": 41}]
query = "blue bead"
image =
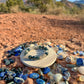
[
  {"x": 18, "y": 80},
  {"x": 18, "y": 49},
  {"x": 34, "y": 75},
  {"x": 2, "y": 74},
  {"x": 46, "y": 70},
  {"x": 57, "y": 45},
  {"x": 63, "y": 70},
  {"x": 59, "y": 51},
  {"x": 24, "y": 76},
  {"x": 74, "y": 53},
  {"x": 60, "y": 48},
  {"x": 81, "y": 53},
  {"x": 40, "y": 81},
  {"x": 60, "y": 57},
  {"x": 9, "y": 51},
  {"x": 79, "y": 62},
  {"x": 50, "y": 46},
  {"x": 77, "y": 51}
]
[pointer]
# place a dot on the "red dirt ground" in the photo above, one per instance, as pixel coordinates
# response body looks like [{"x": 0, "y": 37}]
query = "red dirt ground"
[{"x": 19, "y": 28}]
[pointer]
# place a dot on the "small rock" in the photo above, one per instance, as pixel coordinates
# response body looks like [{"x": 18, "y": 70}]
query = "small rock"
[
  {"x": 60, "y": 57},
  {"x": 68, "y": 59},
  {"x": 81, "y": 78},
  {"x": 57, "y": 77},
  {"x": 74, "y": 69},
  {"x": 79, "y": 62},
  {"x": 11, "y": 73},
  {"x": 46, "y": 70},
  {"x": 2, "y": 74},
  {"x": 63, "y": 82},
  {"x": 81, "y": 70},
  {"x": 70, "y": 65},
  {"x": 24, "y": 76},
  {"x": 7, "y": 62},
  {"x": 40, "y": 81},
  {"x": 34, "y": 75},
  {"x": 18, "y": 80},
  {"x": 11, "y": 82}
]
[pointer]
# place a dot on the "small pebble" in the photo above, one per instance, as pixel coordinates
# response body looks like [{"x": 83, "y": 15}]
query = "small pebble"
[
  {"x": 58, "y": 77},
  {"x": 18, "y": 80},
  {"x": 79, "y": 62},
  {"x": 40, "y": 81},
  {"x": 81, "y": 78},
  {"x": 34, "y": 75},
  {"x": 46, "y": 70},
  {"x": 81, "y": 70}
]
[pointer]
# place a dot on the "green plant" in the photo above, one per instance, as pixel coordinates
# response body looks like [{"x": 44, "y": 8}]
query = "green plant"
[{"x": 3, "y": 8}]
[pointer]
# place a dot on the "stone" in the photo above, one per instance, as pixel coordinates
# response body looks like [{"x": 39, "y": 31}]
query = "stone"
[
  {"x": 81, "y": 53},
  {"x": 11, "y": 73},
  {"x": 11, "y": 82},
  {"x": 81, "y": 70},
  {"x": 74, "y": 53},
  {"x": 40, "y": 72},
  {"x": 68, "y": 59},
  {"x": 63, "y": 82},
  {"x": 18, "y": 80},
  {"x": 40, "y": 81},
  {"x": 81, "y": 78},
  {"x": 70, "y": 65},
  {"x": 74, "y": 69},
  {"x": 24, "y": 76},
  {"x": 57, "y": 77},
  {"x": 79, "y": 62},
  {"x": 2, "y": 74},
  {"x": 34, "y": 75},
  {"x": 9, "y": 79},
  {"x": 60, "y": 57},
  {"x": 46, "y": 70},
  {"x": 48, "y": 43},
  {"x": 60, "y": 48},
  {"x": 65, "y": 78},
  {"x": 63, "y": 70},
  {"x": 11, "y": 60},
  {"x": 7, "y": 62},
  {"x": 59, "y": 51},
  {"x": 18, "y": 49},
  {"x": 67, "y": 74}
]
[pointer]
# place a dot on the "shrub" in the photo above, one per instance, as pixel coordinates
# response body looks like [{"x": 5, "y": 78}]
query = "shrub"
[{"x": 3, "y": 8}]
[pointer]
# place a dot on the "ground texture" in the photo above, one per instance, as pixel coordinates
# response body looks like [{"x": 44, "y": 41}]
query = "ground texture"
[{"x": 19, "y": 28}]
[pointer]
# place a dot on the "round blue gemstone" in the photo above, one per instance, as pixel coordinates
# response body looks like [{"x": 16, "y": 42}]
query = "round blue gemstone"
[
  {"x": 24, "y": 76},
  {"x": 50, "y": 46},
  {"x": 81, "y": 53},
  {"x": 59, "y": 51},
  {"x": 57, "y": 45},
  {"x": 18, "y": 49},
  {"x": 60, "y": 57},
  {"x": 34, "y": 75},
  {"x": 60, "y": 48},
  {"x": 79, "y": 62},
  {"x": 18, "y": 80},
  {"x": 2, "y": 74},
  {"x": 40, "y": 81},
  {"x": 46, "y": 70},
  {"x": 74, "y": 53}
]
